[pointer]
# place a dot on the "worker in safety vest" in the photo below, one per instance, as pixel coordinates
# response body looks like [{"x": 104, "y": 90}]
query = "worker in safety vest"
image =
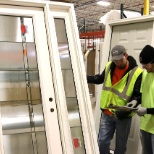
[
  {"x": 122, "y": 80},
  {"x": 146, "y": 110}
]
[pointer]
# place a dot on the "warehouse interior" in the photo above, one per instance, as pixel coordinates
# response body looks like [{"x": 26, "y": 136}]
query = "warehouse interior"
[
  {"x": 89, "y": 12},
  {"x": 47, "y": 49}
]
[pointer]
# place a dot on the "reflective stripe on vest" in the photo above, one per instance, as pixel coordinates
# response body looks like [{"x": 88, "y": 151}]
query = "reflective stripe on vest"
[{"x": 123, "y": 93}]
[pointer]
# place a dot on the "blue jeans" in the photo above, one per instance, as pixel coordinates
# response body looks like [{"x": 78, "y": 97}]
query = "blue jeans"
[
  {"x": 147, "y": 140},
  {"x": 110, "y": 125}
]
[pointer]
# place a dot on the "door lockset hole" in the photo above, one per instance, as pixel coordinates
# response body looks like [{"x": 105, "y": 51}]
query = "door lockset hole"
[{"x": 52, "y": 110}]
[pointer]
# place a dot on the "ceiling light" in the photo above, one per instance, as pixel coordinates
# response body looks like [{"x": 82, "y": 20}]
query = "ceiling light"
[{"x": 103, "y": 3}]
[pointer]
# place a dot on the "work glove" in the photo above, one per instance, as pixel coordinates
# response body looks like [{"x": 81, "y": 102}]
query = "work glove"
[
  {"x": 132, "y": 104},
  {"x": 141, "y": 111}
]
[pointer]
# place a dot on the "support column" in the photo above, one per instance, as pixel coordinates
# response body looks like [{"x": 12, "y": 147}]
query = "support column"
[{"x": 146, "y": 7}]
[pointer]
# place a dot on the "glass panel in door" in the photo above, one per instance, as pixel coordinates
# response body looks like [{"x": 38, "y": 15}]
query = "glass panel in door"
[
  {"x": 22, "y": 117},
  {"x": 69, "y": 87}
]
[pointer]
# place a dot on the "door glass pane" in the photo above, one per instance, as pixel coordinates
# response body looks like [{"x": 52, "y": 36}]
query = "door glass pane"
[
  {"x": 69, "y": 87},
  {"x": 20, "y": 97}
]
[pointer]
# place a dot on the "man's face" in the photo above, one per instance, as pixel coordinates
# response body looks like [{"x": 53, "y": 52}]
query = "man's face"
[
  {"x": 121, "y": 63},
  {"x": 149, "y": 67}
]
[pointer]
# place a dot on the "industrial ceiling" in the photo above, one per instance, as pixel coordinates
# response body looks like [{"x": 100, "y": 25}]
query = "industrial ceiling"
[{"x": 88, "y": 12}]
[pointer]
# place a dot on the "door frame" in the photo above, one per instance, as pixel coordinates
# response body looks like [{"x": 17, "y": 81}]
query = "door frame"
[
  {"x": 109, "y": 30},
  {"x": 108, "y": 38},
  {"x": 66, "y": 11},
  {"x": 45, "y": 76}
]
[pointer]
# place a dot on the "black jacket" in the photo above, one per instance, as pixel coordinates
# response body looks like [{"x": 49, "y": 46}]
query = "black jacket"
[{"x": 99, "y": 78}]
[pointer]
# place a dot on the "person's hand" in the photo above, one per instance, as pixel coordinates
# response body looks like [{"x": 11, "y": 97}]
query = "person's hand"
[
  {"x": 132, "y": 104},
  {"x": 141, "y": 111}
]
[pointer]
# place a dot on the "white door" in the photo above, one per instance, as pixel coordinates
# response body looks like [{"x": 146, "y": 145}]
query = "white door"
[
  {"x": 29, "y": 123},
  {"x": 134, "y": 37},
  {"x": 44, "y": 103},
  {"x": 77, "y": 125}
]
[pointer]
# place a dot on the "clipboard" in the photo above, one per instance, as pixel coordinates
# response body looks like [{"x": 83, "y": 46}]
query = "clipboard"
[{"x": 121, "y": 108}]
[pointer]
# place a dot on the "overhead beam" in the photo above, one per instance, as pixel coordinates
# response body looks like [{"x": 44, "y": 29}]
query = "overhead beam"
[{"x": 91, "y": 35}]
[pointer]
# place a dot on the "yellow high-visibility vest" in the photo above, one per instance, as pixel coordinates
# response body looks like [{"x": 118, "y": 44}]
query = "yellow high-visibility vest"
[
  {"x": 120, "y": 93},
  {"x": 147, "y": 89}
]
